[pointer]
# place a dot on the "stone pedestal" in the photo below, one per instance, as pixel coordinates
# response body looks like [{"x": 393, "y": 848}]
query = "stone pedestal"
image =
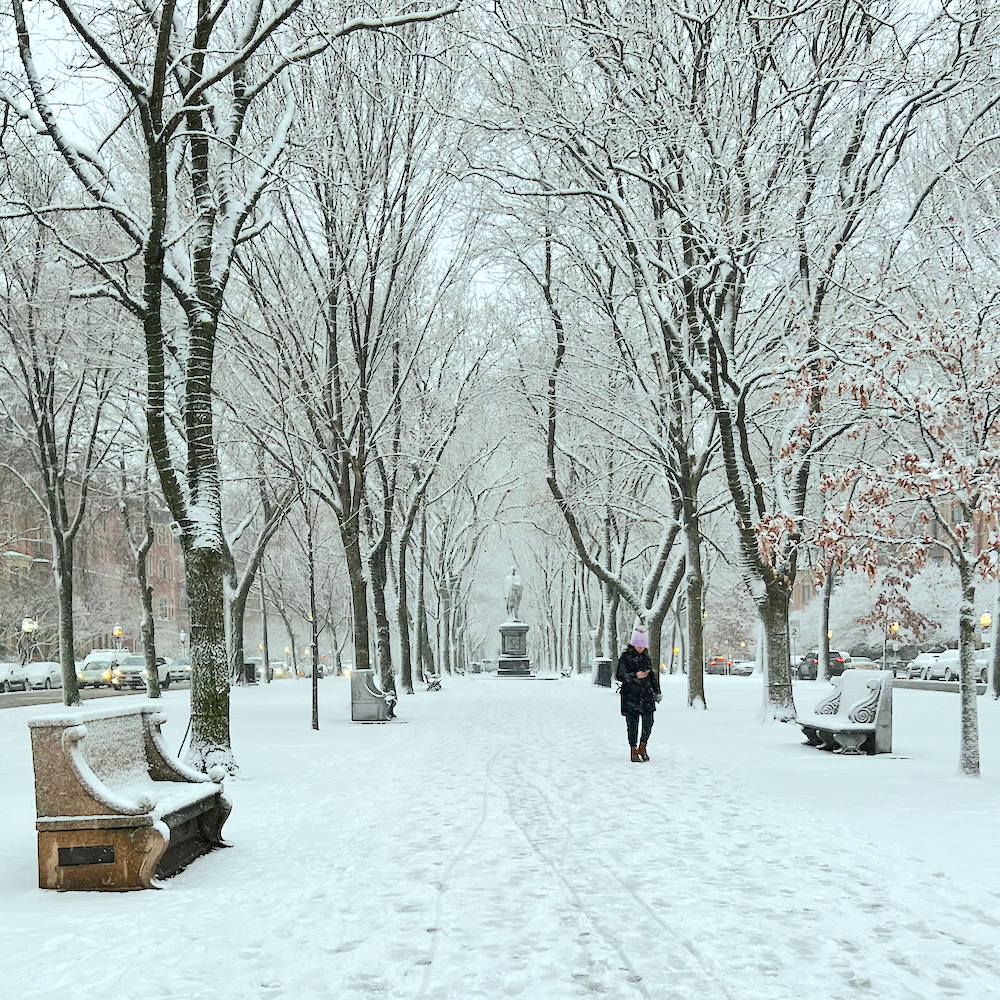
[{"x": 514, "y": 660}]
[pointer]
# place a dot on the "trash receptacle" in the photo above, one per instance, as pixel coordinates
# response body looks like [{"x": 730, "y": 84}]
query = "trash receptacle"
[
  {"x": 602, "y": 672},
  {"x": 250, "y": 673}
]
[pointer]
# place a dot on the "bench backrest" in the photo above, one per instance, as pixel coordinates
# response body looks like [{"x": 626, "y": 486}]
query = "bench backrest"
[
  {"x": 115, "y": 749},
  {"x": 863, "y": 696},
  {"x": 855, "y": 687},
  {"x": 92, "y": 761}
]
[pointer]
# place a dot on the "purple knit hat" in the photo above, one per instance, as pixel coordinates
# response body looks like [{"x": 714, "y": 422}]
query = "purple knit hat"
[{"x": 639, "y": 640}]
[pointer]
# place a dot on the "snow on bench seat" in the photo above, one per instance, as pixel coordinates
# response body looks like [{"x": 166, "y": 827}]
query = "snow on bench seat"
[
  {"x": 855, "y": 717},
  {"x": 115, "y": 807}
]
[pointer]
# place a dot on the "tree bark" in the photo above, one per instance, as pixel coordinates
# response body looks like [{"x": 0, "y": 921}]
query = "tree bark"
[
  {"x": 694, "y": 591},
  {"x": 969, "y": 746},
  {"x": 773, "y": 612},
  {"x": 380, "y": 576},
  {"x": 425, "y": 656},
  {"x": 359, "y": 593},
  {"x": 403, "y": 620},
  {"x": 63, "y": 568},
  {"x": 210, "y": 739},
  {"x": 995, "y": 649},
  {"x": 266, "y": 665},
  {"x": 823, "y": 669},
  {"x": 147, "y": 628}
]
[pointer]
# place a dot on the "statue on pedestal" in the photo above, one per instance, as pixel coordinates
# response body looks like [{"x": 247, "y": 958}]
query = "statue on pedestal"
[{"x": 512, "y": 590}]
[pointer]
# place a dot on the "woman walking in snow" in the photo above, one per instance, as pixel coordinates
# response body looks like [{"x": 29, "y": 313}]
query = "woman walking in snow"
[{"x": 640, "y": 692}]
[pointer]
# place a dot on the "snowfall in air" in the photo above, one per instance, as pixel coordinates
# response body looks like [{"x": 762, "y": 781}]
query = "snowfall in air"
[{"x": 497, "y": 842}]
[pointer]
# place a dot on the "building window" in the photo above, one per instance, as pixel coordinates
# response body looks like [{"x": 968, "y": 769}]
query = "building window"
[
  {"x": 162, "y": 569},
  {"x": 165, "y": 609}
]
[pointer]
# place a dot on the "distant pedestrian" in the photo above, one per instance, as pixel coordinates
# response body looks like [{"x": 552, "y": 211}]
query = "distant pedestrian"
[{"x": 640, "y": 692}]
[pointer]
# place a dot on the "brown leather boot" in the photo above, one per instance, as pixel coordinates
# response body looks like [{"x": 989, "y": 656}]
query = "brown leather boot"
[
  {"x": 642, "y": 752},
  {"x": 636, "y": 759}
]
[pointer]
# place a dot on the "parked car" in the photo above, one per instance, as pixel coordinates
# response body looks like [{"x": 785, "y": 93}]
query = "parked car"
[
  {"x": 862, "y": 663},
  {"x": 280, "y": 669},
  {"x": 920, "y": 663},
  {"x": 937, "y": 666},
  {"x": 984, "y": 659},
  {"x": 718, "y": 665},
  {"x": 131, "y": 673},
  {"x": 808, "y": 668},
  {"x": 97, "y": 667},
  {"x": 946, "y": 666},
  {"x": 180, "y": 669},
  {"x": 743, "y": 668},
  {"x": 44, "y": 675},
  {"x": 13, "y": 675}
]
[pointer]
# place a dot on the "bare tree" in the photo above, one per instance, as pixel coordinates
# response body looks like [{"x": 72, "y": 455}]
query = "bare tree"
[
  {"x": 185, "y": 81},
  {"x": 57, "y": 360},
  {"x": 738, "y": 190}
]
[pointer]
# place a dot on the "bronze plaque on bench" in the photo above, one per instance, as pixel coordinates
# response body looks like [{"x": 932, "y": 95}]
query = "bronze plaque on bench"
[{"x": 103, "y": 854}]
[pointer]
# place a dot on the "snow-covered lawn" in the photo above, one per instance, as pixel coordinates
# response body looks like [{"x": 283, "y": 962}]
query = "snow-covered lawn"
[{"x": 499, "y": 843}]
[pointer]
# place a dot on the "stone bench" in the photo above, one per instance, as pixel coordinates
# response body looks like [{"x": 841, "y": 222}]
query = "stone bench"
[
  {"x": 854, "y": 718},
  {"x": 115, "y": 808},
  {"x": 368, "y": 703}
]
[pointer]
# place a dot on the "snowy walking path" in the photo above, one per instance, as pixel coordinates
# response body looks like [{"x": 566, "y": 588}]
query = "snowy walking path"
[{"x": 499, "y": 843}]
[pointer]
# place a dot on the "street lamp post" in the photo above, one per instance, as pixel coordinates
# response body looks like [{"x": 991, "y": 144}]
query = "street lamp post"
[
  {"x": 182, "y": 635},
  {"x": 28, "y": 627},
  {"x": 116, "y": 631}
]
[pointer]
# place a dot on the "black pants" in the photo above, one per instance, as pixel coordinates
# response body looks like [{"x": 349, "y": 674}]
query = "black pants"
[{"x": 632, "y": 721}]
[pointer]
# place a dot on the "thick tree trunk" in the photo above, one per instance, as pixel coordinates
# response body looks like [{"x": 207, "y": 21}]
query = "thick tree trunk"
[
  {"x": 359, "y": 593},
  {"x": 578, "y": 638},
  {"x": 614, "y": 648},
  {"x": 210, "y": 741},
  {"x": 968, "y": 756},
  {"x": 313, "y": 624},
  {"x": 773, "y": 612},
  {"x": 823, "y": 670},
  {"x": 445, "y": 626},
  {"x": 425, "y": 656},
  {"x": 656, "y": 638},
  {"x": 62, "y": 566},
  {"x": 403, "y": 621},
  {"x": 995, "y": 651},
  {"x": 147, "y": 629},
  {"x": 237, "y": 604},
  {"x": 694, "y": 591},
  {"x": 266, "y": 653},
  {"x": 380, "y": 578}
]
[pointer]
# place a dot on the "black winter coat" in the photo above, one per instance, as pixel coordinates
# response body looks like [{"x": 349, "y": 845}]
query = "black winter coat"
[{"x": 638, "y": 693}]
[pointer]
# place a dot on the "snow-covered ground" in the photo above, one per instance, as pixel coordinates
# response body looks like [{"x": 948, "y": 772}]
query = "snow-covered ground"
[{"x": 499, "y": 843}]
